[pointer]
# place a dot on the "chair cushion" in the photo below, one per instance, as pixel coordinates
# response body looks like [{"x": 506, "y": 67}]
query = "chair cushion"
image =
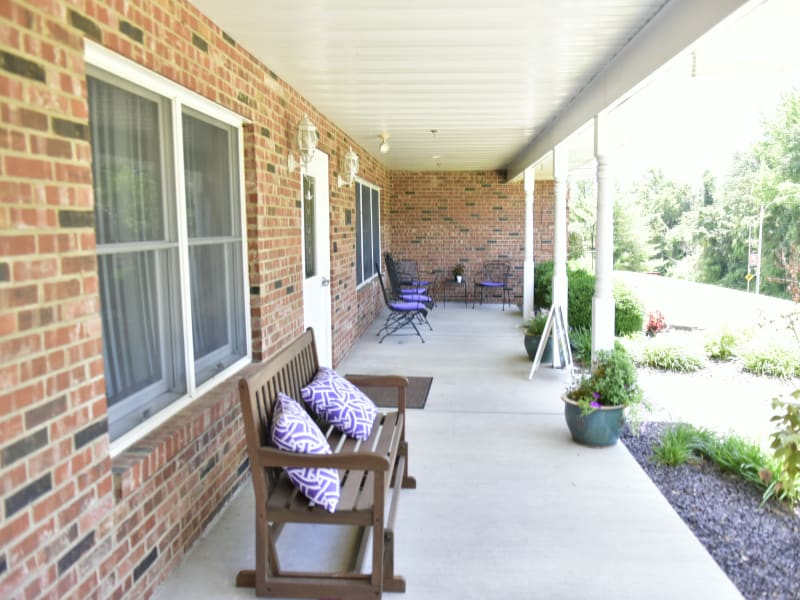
[
  {"x": 340, "y": 403},
  {"x": 294, "y": 430},
  {"x": 491, "y": 283},
  {"x": 406, "y": 306}
]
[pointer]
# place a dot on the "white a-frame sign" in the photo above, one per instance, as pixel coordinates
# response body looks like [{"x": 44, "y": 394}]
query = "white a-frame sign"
[{"x": 554, "y": 327}]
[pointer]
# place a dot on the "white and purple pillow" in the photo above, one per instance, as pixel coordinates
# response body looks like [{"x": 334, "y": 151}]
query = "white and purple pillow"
[
  {"x": 340, "y": 403},
  {"x": 294, "y": 430}
]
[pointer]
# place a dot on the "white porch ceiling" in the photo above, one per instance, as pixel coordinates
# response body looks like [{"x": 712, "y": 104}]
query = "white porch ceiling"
[{"x": 495, "y": 80}]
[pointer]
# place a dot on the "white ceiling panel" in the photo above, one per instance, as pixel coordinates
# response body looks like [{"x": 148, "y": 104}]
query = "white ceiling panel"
[{"x": 488, "y": 76}]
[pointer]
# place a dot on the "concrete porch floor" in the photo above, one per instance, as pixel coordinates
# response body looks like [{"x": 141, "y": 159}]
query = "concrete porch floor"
[{"x": 507, "y": 506}]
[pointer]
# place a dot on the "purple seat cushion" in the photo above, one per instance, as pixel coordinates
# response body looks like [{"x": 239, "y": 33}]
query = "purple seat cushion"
[
  {"x": 294, "y": 430},
  {"x": 414, "y": 297},
  {"x": 340, "y": 403},
  {"x": 406, "y": 306},
  {"x": 491, "y": 283}
]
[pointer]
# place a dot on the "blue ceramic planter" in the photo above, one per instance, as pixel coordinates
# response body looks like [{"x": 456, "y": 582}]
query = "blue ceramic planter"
[
  {"x": 532, "y": 344},
  {"x": 599, "y": 428}
]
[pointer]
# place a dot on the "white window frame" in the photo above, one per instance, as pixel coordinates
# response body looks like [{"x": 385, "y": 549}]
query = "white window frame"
[
  {"x": 100, "y": 58},
  {"x": 360, "y": 230}
]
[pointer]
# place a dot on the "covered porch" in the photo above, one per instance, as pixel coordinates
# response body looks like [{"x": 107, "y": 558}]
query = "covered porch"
[{"x": 507, "y": 506}]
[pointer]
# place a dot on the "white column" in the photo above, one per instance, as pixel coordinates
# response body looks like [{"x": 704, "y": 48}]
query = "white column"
[
  {"x": 603, "y": 299},
  {"x": 528, "y": 263},
  {"x": 560, "y": 173}
]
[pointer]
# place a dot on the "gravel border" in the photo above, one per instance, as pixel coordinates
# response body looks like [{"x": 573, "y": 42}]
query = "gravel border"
[{"x": 758, "y": 548}]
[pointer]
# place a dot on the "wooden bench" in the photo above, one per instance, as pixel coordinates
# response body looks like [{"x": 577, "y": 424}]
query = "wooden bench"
[{"x": 371, "y": 475}]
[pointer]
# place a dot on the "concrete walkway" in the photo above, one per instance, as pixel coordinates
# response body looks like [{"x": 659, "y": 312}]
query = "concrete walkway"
[{"x": 507, "y": 506}]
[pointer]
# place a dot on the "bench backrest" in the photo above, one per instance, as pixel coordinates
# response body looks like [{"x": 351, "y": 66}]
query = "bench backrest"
[{"x": 290, "y": 369}]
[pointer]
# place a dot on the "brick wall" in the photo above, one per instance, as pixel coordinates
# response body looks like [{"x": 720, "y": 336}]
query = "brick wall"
[
  {"x": 440, "y": 219},
  {"x": 73, "y": 521}
]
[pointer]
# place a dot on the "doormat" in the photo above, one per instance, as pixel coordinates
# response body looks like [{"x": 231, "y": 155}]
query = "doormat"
[{"x": 416, "y": 393}]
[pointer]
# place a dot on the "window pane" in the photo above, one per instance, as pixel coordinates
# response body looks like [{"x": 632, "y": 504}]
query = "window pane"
[
  {"x": 140, "y": 323},
  {"x": 359, "y": 265},
  {"x": 366, "y": 232},
  {"x": 126, "y": 164},
  {"x": 217, "y": 307},
  {"x": 376, "y": 229},
  {"x": 207, "y": 163},
  {"x": 309, "y": 237}
]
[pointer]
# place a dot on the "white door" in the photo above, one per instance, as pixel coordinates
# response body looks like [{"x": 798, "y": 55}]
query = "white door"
[{"x": 316, "y": 255}]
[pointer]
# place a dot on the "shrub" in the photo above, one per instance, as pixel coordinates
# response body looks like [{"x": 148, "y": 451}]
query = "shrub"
[
  {"x": 579, "y": 298},
  {"x": 543, "y": 284},
  {"x": 722, "y": 346},
  {"x": 774, "y": 361},
  {"x": 629, "y": 312},
  {"x": 575, "y": 246},
  {"x": 786, "y": 449},
  {"x": 670, "y": 358}
]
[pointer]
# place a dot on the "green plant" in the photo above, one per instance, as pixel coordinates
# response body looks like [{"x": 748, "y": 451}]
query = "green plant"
[
  {"x": 774, "y": 361},
  {"x": 680, "y": 443},
  {"x": 580, "y": 289},
  {"x": 786, "y": 449},
  {"x": 612, "y": 381},
  {"x": 670, "y": 358},
  {"x": 684, "y": 442},
  {"x": 581, "y": 341},
  {"x": 628, "y": 311},
  {"x": 535, "y": 325},
  {"x": 458, "y": 270},
  {"x": 723, "y": 346},
  {"x": 543, "y": 284}
]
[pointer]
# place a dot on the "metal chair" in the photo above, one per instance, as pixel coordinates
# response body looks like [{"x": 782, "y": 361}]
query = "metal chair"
[
  {"x": 402, "y": 313},
  {"x": 495, "y": 276}
]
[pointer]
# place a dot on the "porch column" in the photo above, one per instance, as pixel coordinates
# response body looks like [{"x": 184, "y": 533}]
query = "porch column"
[
  {"x": 603, "y": 299},
  {"x": 560, "y": 172},
  {"x": 528, "y": 263}
]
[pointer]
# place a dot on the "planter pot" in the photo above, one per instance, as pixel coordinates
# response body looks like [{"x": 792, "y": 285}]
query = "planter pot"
[
  {"x": 458, "y": 278},
  {"x": 532, "y": 343},
  {"x": 599, "y": 428}
]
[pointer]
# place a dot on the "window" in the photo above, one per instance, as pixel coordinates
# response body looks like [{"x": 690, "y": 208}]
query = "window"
[
  {"x": 169, "y": 226},
  {"x": 368, "y": 231}
]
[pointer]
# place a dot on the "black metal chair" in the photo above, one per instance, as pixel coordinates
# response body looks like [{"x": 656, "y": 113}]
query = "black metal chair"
[
  {"x": 495, "y": 276},
  {"x": 411, "y": 293},
  {"x": 402, "y": 314}
]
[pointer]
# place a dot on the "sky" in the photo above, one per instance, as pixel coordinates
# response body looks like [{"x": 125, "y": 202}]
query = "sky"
[{"x": 711, "y": 101}]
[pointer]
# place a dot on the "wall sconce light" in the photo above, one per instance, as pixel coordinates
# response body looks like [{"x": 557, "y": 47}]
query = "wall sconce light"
[
  {"x": 350, "y": 168},
  {"x": 307, "y": 137},
  {"x": 384, "y": 147}
]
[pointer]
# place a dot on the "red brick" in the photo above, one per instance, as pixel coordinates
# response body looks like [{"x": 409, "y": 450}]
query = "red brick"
[
  {"x": 28, "y": 168},
  {"x": 19, "y": 348},
  {"x": 17, "y": 245}
]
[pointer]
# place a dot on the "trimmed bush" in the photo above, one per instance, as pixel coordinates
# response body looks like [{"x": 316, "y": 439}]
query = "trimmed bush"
[{"x": 628, "y": 312}]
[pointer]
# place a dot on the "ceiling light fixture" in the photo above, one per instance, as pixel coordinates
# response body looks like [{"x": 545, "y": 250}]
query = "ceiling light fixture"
[
  {"x": 350, "y": 168},
  {"x": 384, "y": 147},
  {"x": 307, "y": 138}
]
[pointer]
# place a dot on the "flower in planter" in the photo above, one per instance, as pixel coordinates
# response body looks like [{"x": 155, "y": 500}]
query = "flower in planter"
[{"x": 612, "y": 381}]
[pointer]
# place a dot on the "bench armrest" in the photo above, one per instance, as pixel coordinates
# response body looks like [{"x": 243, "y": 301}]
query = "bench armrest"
[
  {"x": 385, "y": 381},
  {"x": 366, "y": 461}
]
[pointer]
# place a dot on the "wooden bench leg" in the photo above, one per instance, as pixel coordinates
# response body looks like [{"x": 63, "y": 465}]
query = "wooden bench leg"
[
  {"x": 408, "y": 481},
  {"x": 246, "y": 578},
  {"x": 391, "y": 582}
]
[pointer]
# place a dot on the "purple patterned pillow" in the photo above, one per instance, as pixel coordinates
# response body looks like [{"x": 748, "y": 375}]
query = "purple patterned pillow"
[
  {"x": 293, "y": 430},
  {"x": 340, "y": 403}
]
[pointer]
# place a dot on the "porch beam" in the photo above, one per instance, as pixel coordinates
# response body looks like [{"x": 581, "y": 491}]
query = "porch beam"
[{"x": 679, "y": 24}]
